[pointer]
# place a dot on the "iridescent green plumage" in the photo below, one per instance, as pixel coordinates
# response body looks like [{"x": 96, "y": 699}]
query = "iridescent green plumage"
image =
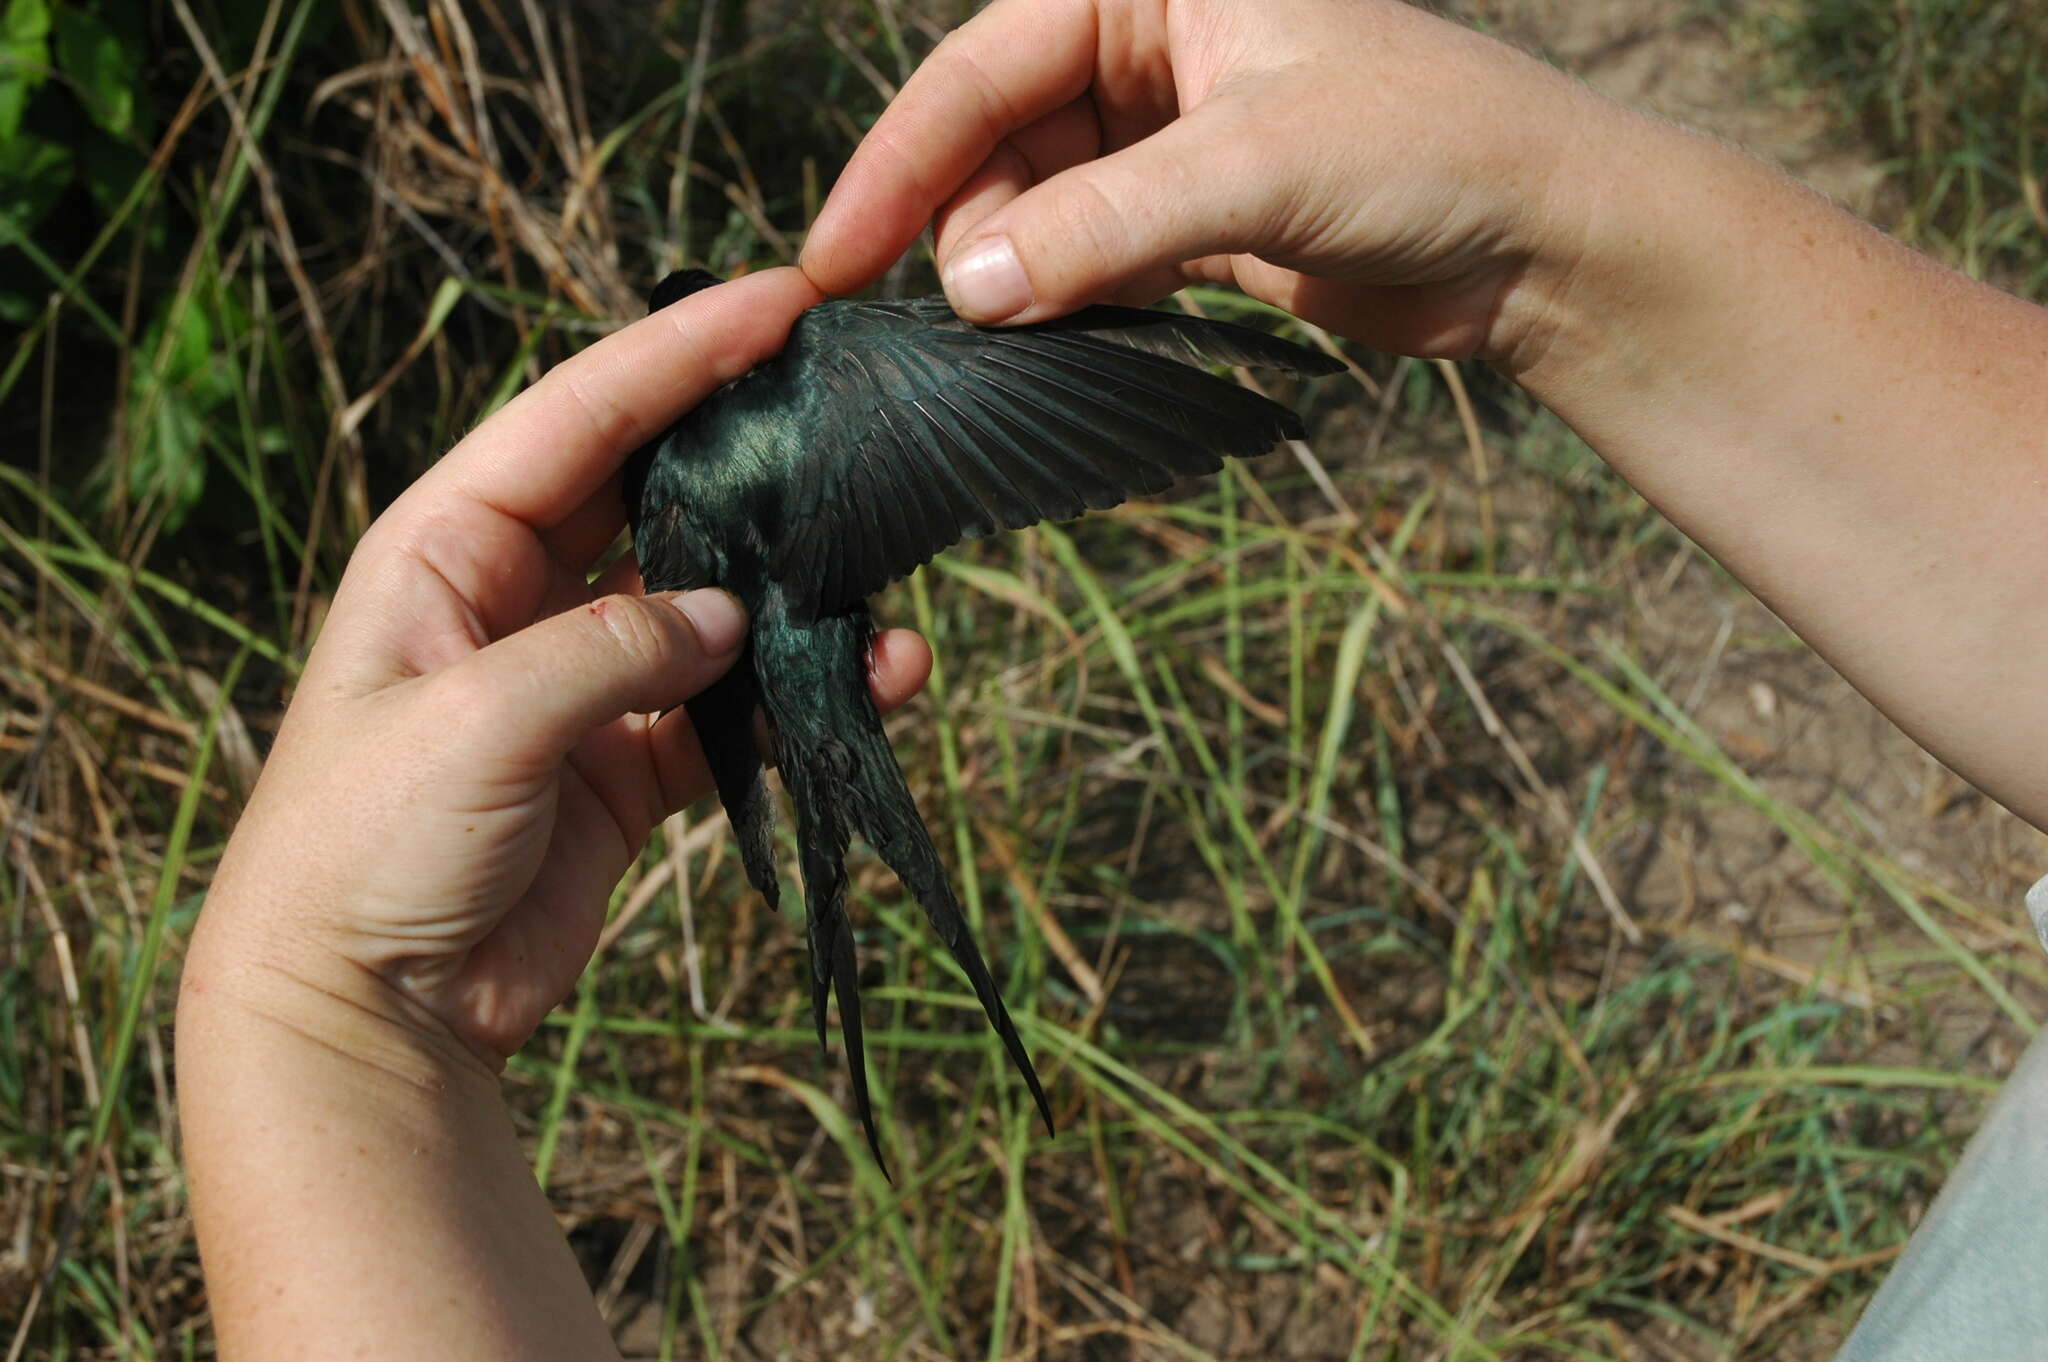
[{"x": 882, "y": 434}]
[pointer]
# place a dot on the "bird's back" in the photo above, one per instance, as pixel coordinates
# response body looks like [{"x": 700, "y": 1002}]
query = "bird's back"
[{"x": 885, "y": 432}]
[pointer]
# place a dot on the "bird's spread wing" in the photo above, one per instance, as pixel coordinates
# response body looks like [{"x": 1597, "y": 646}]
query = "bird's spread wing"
[{"x": 933, "y": 431}]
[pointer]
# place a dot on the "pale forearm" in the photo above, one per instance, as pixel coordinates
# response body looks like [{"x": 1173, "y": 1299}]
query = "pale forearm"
[
  {"x": 422, "y": 872},
  {"x": 1852, "y": 431},
  {"x": 1856, "y": 433},
  {"x": 357, "y": 1185}
]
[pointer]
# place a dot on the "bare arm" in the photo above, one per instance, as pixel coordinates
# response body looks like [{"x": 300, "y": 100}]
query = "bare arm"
[
  {"x": 1856, "y": 433},
  {"x": 467, "y": 769},
  {"x": 359, "y": 1189}
]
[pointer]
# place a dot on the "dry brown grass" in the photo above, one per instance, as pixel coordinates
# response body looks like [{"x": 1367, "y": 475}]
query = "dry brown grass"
[{"x": 1451, "y": 920}]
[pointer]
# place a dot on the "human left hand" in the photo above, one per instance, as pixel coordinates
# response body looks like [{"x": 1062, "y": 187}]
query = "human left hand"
[{"x": 473, "y": 757}]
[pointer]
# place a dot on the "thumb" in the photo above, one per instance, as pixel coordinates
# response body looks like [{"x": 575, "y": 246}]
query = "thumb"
[
  {"x": 1189, "y": 190},
  {"x": 533, "y": 695}
]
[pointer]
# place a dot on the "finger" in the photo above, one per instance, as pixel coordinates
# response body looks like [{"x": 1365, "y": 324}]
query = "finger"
[
  {"x": 553, "y": 446},
  {"x": 425, "y": 591},
  {"x": 574, "y": 548},
  {"x": 529, "y": 698},
  {"x": 1062, "y": 139},
  {"x": 899, "y": 663},
  {"x": 1002, "y": 179},
  {"x": 582, "y": 536},
  {"x": 475, "y": 548},
  {"x": 1194, "y": 188},
  {"x": 899, "y": 660},
  {"x": 1010, "y": 65},
  {"x": 574, "y": 588}
]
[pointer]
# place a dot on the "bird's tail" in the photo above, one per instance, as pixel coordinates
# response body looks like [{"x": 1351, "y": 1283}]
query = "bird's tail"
[
  {"x": 843, "y": 778},
  {"x": 723, "y": 715}
]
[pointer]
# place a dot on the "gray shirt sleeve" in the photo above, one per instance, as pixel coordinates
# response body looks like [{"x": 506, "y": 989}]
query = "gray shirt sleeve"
[{"x": 1972, "y": 1285}]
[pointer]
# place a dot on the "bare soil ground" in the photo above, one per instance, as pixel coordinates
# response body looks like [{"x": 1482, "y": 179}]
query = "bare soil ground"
[
  {"x": 1663, "y": 56},
  {"x": 1792, "y": 721},
  {"x": 1715, "y": 871},
  {"x": 1697, "y": 868},
  {"x": 1549, "y": 1132}
]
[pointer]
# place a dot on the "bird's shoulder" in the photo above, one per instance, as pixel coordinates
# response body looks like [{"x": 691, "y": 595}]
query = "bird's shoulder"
[{"x": 860, "y": 353}]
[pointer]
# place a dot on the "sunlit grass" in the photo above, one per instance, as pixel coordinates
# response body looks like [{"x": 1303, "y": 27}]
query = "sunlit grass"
[{"x": 1310, "y": 818}]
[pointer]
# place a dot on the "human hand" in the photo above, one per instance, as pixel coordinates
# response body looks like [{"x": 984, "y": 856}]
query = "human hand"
[
  {"x": 1851, "y": 431},
  {"x": 471, "y": 760},
  {"x": 1360, "y": 163}
]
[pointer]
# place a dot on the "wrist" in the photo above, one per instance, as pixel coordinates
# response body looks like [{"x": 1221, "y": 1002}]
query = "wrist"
[
  {"x": 1652, "y": 232},
  {"x": 1594, "y": 249},
  {"x": 240, "y": 979},
  {"x": 357, "y": 1183}
]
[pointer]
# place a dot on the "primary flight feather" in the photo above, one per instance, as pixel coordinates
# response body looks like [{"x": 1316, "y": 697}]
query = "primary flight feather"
[{"x": 881, "y": 435}]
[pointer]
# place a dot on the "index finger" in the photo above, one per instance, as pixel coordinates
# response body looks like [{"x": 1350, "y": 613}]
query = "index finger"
[
  {"x": 1001, "y": 71},
  {"x": 544, "y": 454}
]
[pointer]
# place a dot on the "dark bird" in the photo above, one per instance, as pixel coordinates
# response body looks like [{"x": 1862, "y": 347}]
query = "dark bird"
[{"x": 882, "y": 434}]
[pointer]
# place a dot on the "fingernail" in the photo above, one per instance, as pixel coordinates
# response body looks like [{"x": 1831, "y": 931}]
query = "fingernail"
[
  {"x": 718, "y": 617},
  {"x": 988, "y": 284}
]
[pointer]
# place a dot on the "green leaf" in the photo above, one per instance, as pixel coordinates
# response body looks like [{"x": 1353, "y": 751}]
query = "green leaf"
[
  {"x": 100, "y": 67},
  {"x": 33, "y": 172},
  {"x": 179, "y": 391},
  {"x": 26, "y": 21},
  {"x": 109, "y": 170},
  {"x": 24, "y": 60}
]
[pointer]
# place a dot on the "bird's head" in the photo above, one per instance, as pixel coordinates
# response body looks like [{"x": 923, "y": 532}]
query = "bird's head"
[{"x": 680, "y": 285}]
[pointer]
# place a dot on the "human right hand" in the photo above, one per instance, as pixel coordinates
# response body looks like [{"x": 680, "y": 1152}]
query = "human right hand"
[
  {"x": 1361, "y": 163},
  {"x": 1852, "y": 431}
]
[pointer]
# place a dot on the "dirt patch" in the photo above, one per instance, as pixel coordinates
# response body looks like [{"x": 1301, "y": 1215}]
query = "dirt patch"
[
  {"x": 1661, "y": 56},
  {"x": 1705, "y": 872},
  {"x": 1717, "y": 867},
  {"x": 1715, "y": 870}
]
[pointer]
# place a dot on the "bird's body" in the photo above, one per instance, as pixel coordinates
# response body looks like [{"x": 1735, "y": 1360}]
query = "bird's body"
[{"x": 882, "y": 434}]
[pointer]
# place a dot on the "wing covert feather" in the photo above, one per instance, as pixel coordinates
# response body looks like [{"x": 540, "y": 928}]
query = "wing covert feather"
[{"x": 930, "y": 430}]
